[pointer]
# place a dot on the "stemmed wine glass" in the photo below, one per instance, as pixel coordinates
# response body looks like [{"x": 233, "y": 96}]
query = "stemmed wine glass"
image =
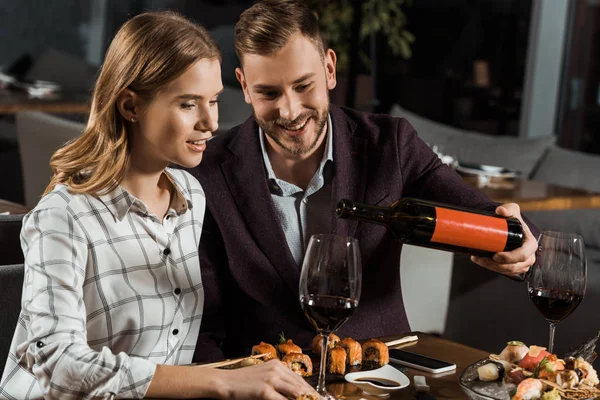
[
  {"x": 330, "y": 285},
  {"x": 557, "y": 279}
]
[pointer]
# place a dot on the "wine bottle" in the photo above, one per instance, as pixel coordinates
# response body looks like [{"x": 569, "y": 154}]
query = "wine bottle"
[{"x": 441, "y": 226}]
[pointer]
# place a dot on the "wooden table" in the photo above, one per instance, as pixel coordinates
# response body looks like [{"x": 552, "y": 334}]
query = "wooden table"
[
  {"x": 442, "y": 386},
  {"x": 13, "y": 101},
  {"x": 13, "y": 208},
  {"x": 537, "y": 196}
]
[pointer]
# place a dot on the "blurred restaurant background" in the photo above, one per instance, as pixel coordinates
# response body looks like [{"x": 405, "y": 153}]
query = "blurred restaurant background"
[{"x": 512, "y": 82}]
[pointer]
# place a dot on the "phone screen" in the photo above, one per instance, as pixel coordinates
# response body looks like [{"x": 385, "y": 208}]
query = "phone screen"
[{"x": 419, "y": 361}]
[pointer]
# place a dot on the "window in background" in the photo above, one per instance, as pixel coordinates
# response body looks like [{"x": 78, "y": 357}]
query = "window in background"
[
  {"x": 579, "y": 106},
  {"x": 467, "y": 66}
]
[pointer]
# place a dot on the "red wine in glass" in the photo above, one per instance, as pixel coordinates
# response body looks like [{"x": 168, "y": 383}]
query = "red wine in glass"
[
  {"x": 557, "y": 279},
  {"x": 327, "y": 313},
  {"x": 554, "y": 304},
  {"x": 329, "y": 289}
]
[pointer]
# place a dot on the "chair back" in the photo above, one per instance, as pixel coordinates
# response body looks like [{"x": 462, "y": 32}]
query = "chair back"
[
  {"x": 11, "y": 287},
  {"x": 71, "y": 72},
  {"x": 569, "y": 168},
  {"x": 40, "y": 135},
  {"x": 10, "y": 243}
]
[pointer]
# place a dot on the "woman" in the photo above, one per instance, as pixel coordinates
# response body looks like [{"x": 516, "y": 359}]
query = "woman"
[{"x": 112, "y": 299}]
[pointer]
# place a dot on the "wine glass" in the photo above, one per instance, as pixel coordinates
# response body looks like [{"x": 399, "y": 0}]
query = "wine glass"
[
  {"x": 557, "y": 279},
  {"x": 330, "y": 285}
]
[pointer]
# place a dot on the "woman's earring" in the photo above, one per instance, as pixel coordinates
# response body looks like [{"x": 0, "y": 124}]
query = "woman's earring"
[{"x": 133, "y": 119}]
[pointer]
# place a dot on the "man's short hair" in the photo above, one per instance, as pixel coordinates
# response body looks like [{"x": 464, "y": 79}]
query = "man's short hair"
[{"x": 267, "y": 26}]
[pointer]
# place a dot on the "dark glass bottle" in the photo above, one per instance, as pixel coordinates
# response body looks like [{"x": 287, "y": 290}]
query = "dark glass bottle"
[{"x": 441, "y": 226}]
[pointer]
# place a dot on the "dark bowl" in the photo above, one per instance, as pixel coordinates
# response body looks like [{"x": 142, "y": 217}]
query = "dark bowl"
[{"x": 478, "y": 390}]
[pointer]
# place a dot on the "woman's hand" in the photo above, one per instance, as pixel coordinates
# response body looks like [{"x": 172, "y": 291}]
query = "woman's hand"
[
  {"x": 270, "y": 380},
  {"x": 518, "y": 260}
]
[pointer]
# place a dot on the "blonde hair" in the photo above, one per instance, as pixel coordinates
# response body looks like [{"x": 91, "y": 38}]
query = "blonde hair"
[
  {"x": 267, "y": 26},
  {"x": 149, "y": 51}
]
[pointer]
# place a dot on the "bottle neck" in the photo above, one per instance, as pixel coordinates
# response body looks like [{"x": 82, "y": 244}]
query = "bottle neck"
[{"x": 363, "y": 212}]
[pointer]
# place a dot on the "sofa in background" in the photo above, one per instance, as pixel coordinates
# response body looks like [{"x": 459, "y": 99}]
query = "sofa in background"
[{"x": 486, "y": 309}]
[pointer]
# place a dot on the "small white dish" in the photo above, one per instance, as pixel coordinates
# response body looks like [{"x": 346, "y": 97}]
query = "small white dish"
[
  {"x": 486, "y": 170},
  {"x": 387, "y": 372},
  {"x": 6, "y": 80}
]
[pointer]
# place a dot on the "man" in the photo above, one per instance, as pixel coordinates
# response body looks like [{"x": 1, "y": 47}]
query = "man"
[{"x": 275, "y": 180}]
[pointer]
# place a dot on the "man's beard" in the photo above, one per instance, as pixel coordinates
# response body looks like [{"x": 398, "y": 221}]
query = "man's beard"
[{"x": 296, "y": 148}]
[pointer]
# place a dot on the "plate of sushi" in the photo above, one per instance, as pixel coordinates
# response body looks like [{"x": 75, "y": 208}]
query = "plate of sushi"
[
  {"x": 531, "y": 372},
  {"x": 345, "y": 358}
]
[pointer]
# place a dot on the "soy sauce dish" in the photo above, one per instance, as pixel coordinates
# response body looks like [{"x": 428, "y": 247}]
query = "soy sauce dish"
[{"x": 378, "y": 382}]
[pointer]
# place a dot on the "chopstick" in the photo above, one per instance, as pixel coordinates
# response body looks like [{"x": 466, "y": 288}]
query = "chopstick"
[
  {"x": 405, "y": 339},
  {"x": 228, "y": 362}
]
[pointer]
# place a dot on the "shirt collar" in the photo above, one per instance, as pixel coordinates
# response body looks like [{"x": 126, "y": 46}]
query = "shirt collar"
[
  {"x": 327, "y": 154},
  {"x": 119, "y": 201}
]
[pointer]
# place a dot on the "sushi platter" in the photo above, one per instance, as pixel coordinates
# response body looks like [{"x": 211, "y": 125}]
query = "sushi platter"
[
  {"x": 365, "y": 364},
  {"x": 530, "y": 372}
]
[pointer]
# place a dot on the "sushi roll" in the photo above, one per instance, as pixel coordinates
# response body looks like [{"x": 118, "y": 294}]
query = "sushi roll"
[
  {"x": 248, "y": 362},
  {"x": 353, "y": 351},
  {"x": 529, "y": 389},
  {"x": 299, "y": 363},
  {"x": 514, "y": 352},
  {"x": 288, "y": 347},
  {"x": 265, "y": 348},
  {"x": 332, "y": 340},
  {"x": 493, "y": 370},
  {"x": 307, "y": 396},
  {"x": 336, "y": 364},
  {"x": 589, "y": 376},
  {"x": 567, "y": 379},
  {"x": 375, "y": 353}
]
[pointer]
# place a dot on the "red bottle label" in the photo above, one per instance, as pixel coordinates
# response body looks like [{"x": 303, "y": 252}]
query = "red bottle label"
[{"x": 474, "y": 231}]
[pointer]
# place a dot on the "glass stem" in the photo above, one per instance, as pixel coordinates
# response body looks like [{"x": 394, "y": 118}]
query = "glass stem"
[
  {"x": 551, "y": 344},
  {"x": 323, "y": 366}
]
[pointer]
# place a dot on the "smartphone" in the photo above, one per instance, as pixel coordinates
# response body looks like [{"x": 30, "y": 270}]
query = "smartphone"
[{"x": 420, "y": 361}]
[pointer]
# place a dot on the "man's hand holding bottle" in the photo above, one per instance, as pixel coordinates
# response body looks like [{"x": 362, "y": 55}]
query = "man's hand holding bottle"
[{"x": 517, "y": 261}]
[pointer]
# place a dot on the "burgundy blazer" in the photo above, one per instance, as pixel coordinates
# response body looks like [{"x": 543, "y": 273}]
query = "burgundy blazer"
[{"x": 249, "y": 275}]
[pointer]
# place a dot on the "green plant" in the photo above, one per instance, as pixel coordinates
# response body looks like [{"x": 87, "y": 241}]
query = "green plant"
[{"x": 384, "y": 17}]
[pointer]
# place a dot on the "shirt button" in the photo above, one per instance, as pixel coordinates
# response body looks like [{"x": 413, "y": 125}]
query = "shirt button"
[
  {"x": 40, "y": 344},
  {"x": 175, "y": 331},
  {"x": 177, "y": 290},
  {"x": 167, "y": 251}
]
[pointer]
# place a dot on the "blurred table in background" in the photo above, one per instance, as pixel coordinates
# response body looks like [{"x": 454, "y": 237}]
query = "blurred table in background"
[
  {"x": 12, "y": 208},
  {"x": 13, "y": 101},
  {"x": 536, "y": 196}
]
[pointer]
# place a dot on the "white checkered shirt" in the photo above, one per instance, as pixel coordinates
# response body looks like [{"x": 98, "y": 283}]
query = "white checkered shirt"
[{"x": 109, "y": 292}]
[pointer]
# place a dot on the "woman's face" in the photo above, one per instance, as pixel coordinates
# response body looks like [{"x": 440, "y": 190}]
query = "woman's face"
[{"x": 173, "y": 126}]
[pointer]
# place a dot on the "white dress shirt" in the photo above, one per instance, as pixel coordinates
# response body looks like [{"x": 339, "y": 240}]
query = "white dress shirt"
[
  {"x": 110, "y": 291},
  {"x": 303, "y": 213}
]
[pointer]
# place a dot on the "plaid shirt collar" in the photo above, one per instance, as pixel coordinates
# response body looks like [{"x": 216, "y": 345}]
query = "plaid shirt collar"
[{"x": 119, "y": 201}]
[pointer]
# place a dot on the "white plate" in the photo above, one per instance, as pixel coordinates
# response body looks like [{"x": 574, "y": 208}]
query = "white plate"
[
  {"x": 385, "y": 372},
  {"x": 487, "y": 170}
]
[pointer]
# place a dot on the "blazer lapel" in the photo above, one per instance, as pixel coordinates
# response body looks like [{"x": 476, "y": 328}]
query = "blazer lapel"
[
  {"x": 247, "y": 180},
  {"x": 349, "y": 159}
]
